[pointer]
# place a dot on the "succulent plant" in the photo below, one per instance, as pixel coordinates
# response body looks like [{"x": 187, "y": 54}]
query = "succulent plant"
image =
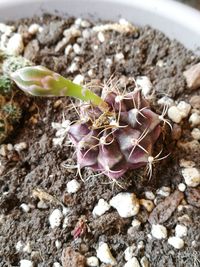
[
  {"x": 114, "y": 133},
  {"x": 12, "y": 111},
  {"x": 5, "y": 85}
]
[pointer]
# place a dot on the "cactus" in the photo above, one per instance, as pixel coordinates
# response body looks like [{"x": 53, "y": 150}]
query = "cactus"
[
  {"x": 12, "y": 112},
  {"x": 114, "y": 133},
  {"x": 5, "y": 85}
]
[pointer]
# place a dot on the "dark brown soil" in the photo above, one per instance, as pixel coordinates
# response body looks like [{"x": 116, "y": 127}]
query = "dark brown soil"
[{"x": 41, "y": 165}]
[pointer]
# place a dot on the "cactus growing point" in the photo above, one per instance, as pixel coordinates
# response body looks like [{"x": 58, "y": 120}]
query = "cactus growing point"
[{"x": 115, "y": 132}]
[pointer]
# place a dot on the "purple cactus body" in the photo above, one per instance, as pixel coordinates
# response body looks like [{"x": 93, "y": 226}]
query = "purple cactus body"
[{"x": 118, "y": 141}]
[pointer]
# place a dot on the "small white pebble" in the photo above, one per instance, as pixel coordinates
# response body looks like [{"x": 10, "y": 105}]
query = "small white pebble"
[
  {"x": 78, "y": 79},
  {"x": 3, "y": 150},
  {"x": 92, "y": 261},
  {"x": 55, "y": 218},
  {"x": 140, "y": 245},
  {"x": 65, "y": 222},
  {"x": 58, "y": 244},
  {"x": 147, "y": 204},
  {"x": 77, "y": 49},
  {"x": 164, "y": 191},
  {"x": 27, "y": 248},
  {"x": 73, "y": 67},
  {"x": 144, "y": 262},
  {"x": 159, "y": 231},
  {"x": 25, "y": 207},
  {"x": 136, "y": 223},
  {"x": 57, "y": 264},
  {"x": 34, "y": 28},
  {"x": 176, "y": 242},
  {"x": 174, "y": 114},
  {"x": 191, "y": 176},
  {"x": 126, "y": 204},
  {"x": 149, "y": 195},
  {"x": 10, "y": 147},
  {"x": 65, "y": 210},
  {"x": 184, "y": 108},
  {"x": 73, "y": 186},
  {"x": 128, "y": 253},
  {"x": 180, "y": 230},
  {"x": 90, "y": 72},
  {"x": 15, "y": 45},
  {"x": 132, "y": 263},
  {"x": 104, "y": 254},
  {"x": 145, "y": 84},
  {"x": 196, "y": 134},
  {"x": 6, "y": 28},
  {"x": 194, "y": 119},
  {"x": 181, "y": 187},
  {"x": 109, "y": 61},
  {"x": 68, "y": 49},
  {"x": 26, "y": 263},
  {"x": 119, "y": 57},
  {"x": 101, "y": 37},
  {"x": 21, "y": 146},
  {"x": 85, "y": 23},
  {"x": 101, "y": 207},
  {"x": 165, "y": 100},
  {"x": 19, "y": 246}
]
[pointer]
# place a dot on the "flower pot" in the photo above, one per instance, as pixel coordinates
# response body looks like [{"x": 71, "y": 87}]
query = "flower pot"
[{"x": 174, "y": 19}]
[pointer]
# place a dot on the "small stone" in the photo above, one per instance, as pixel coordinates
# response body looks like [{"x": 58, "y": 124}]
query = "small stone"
[
  {"x": 129, "y": 251},
  {"x": 147, "y": 204},
  {"x": 25, "y": 207},
  {"x": 136, "y": 223},
  {"x": 42, "y": 205},
  {"x": 194, "y": 119},
  {"x": 196, "y": 133},
  {"x": 119, "y": 57},
  {"x": 73, "y": 67},
  {"x": 19, "y": 246},
  {"x": 192, "y": 76},
  {"x": 15, "y": 45},
  {"x": 174, "y": 114},
  {"x": 101, "y": 37},
  {"x": 85, "y": 23},
  {"x": 184, "y": 108},
  {"x": 68, "y": 49},
  {"x": 159, "y": 231},
  {"x": 176, "y": 242},
  {"x": 166, "y": 101},
  {"x": 58, "y": 244},
  {"x": 79, "y": 79},
  {"x": 145, "y": 84},
  {"x": 86, "y": 33},
  {"x": 65, "y": 222},
  {"x": 6, "y": 28},
  {"x": 73, "y": 186},
  {"x": 10, "y": 147},
  {"x": 21, "y": 146},
  {"x": 34, "y": 28},
  {"x": 149, "y": 195},
  {"x": 126, "y": 204},
  {"x": 77, "y": 49},
  {"x": 164, "y": 191},
  {"x": 3, "y": 150},
  {"x": 182, "y": 187},
  {"x": 71, "y": 258},
  {"x": 195, "y": 101},
  {"x": 57, "y": 264},
  {"x": 144, "y": 262},
  {"x": 193, "y": 196},
  {"x": 180, "y": 230},
  {"x": 101, "y": 207},
  {"x": 26, "y": 263},
  {"x": 27, "y": 248},
  {"x": 132, "y": 263},
  {"x": 140, "y": 245},
  {"x": 92, "y": 261},
  {"x": 191, "y": 176},
  {"x": 104, "y": 254},
  {"x": 55, "y": 218}
]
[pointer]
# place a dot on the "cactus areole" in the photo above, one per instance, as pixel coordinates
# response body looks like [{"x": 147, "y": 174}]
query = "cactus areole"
[{"x": 115, "y": 132}]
